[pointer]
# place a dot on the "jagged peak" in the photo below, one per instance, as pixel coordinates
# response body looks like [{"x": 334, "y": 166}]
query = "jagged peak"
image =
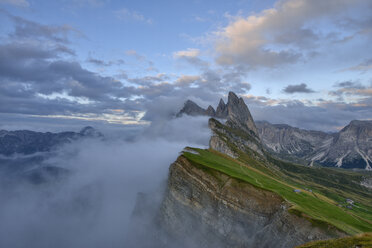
[
  {"x": 210, "y": 111},
  {"x": 239, "y": 114},
  {"x": 189, "y": 102},
  {"x": 90, "y": 131},
  {"x": 221, "y": 103},
  {"x": 232, "y": 97}
]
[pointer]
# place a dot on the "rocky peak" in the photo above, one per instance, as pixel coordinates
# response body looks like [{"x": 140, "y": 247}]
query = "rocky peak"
[
  {"x": 239, "y": 115},
  {"x": 89, "y": 131},
  {"x": 210, "y": 111},
  {"x": 221, "y": 111},
  {"x": 193, "y": 109}
]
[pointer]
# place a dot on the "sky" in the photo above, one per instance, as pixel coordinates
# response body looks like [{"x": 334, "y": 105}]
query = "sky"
[{"x": 68, "y": 63}]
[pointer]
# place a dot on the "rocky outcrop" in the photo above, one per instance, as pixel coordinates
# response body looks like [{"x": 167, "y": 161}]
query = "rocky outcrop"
[
  {"x": 231, "y": 140},
  {"x": 210, "y": 209},
  {"x": 239, "y": 128},
  {"x": 221, "y": 111},
  {"x": 235, "y": 111},
  {"x": 191, "y": 108},
  {"x": 349, "y": 148},
  {"x": 239, "y": 116}
]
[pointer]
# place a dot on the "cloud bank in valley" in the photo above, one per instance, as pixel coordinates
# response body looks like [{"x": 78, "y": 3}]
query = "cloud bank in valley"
[{"x": 92, "y": 206}]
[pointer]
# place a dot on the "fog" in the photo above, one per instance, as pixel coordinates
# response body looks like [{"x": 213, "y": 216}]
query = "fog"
[{"x": 91, "y": 205}]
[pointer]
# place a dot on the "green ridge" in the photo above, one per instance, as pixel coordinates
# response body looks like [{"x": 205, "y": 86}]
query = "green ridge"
[{"x": 319, "y": 206}]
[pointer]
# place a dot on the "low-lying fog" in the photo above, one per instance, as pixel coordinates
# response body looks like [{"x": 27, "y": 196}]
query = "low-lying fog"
[{"x": 92, "y": 205}]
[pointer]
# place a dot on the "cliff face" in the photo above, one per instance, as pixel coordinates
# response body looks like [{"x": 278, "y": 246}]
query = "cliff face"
[{"x": 205, "y": 208}]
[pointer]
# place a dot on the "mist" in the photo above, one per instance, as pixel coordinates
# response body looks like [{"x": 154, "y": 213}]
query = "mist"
[{"x": 92, "y": 204}]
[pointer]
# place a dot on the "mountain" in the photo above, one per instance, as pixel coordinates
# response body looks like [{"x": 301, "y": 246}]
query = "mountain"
[
  {"x": 351, "y": 148},
  {"x": 236, "y": 194},
  {"x": 29, "y": 142}
]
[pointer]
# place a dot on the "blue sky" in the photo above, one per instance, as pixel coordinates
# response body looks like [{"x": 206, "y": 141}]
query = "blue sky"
[{"x": 117, "y": 61}]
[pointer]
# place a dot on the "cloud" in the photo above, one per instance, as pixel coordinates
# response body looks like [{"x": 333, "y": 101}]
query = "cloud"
[
  {"x": 126, "y": 14},
  {"x": 25, "y": 29},
  {"x": 18, "y": 3},
  {"x": 284, "y": 34},
  {"x": 192, "y": 56},
  {"x": 92, "y": 3},
  {"x": 362, "y": 67},
  {"x": 92, "y": 205},
  {"x": 322, "y": 115},
  {"x": 189, "y": 53},
  {"x": 99, "y": 62},
  {"x": 297, "y": 88}
]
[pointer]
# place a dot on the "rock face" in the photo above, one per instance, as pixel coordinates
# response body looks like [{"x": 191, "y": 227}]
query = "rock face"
[
  {"x": 221, "y": 111},
  {"x": 29, "y": 142},
  {"x": 238, "y": 115},
  {"x": 243, "y": 132},
  {"x": 281, "y": 138},
  {"x": 349, "y": 148},
  {"x": 203, "y": 209},
  {"x": 235, "y": 111},
  {"x": 230, "y": 140}
]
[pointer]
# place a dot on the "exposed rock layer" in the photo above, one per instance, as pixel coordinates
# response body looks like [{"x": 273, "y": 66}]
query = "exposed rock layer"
[{"x": 204, "y": 209}]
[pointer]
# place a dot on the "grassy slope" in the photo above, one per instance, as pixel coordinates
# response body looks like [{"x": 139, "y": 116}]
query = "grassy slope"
[
  {"x": 363, "y": 240},
  {"x": 319, "y": 207}
]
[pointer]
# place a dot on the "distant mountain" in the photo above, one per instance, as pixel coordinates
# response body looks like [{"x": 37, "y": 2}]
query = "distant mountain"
[
  {"x": 349, "y": 148},
  {"x": 29, "y": 142}
]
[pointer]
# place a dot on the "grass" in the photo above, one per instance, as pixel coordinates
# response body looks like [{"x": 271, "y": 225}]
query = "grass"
[
  {"x": 320, "y": 206},
  {"x": 362, "y": 241}
]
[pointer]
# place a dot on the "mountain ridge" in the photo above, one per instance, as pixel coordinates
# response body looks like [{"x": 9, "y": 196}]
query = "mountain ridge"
[
  {"x": 338, "y": 149},
  {"x": 29, "y": 142}
]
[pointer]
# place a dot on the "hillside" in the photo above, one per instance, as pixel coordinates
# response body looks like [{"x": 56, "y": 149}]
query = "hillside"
[
  {"x": 236, "y": 194},
  {"x": 363, "y": 240}
]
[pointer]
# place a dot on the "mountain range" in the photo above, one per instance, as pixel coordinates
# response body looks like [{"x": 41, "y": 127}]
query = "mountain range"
[
  {"x": 349, "y": 148},
  {"x": 29, "y": 142},
  {"x": 23, "y": 154}
]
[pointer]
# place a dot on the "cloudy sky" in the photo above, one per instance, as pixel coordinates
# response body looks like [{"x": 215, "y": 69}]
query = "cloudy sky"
[{"x": 307, "y": 63}]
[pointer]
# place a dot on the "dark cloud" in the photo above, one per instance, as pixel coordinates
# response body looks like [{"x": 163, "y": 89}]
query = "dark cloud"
[
  {"x": 39, "y": 75},
  {"x": 25, "y": 29},
  {"x": 325, "y": 115},
  {"x": 297, "y": 88}
]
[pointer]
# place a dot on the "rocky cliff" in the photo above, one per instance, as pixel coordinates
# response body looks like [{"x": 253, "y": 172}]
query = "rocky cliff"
[{"x": 205, "y": 208}]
